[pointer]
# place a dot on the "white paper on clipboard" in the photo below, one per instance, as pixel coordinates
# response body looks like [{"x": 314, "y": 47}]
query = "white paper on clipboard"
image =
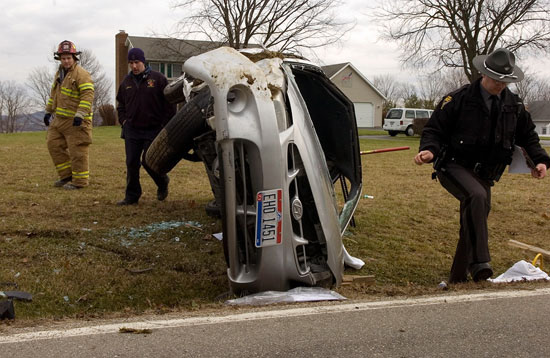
[{"x": 520, "y": 162}]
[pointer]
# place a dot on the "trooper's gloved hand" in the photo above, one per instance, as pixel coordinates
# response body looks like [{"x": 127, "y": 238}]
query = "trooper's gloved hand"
[
  {"x": 77, "y": 121},
  {"x": 47, "y": 117}
]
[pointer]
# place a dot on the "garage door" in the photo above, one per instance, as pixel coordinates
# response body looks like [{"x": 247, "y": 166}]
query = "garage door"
[{"x": 364, "y": 114}]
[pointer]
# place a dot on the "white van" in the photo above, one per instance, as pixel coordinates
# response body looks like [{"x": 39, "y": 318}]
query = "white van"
[{"x": 400, "y": 120}]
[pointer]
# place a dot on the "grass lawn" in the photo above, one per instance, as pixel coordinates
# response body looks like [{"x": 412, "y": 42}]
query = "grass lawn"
[{"x": 80, "y": 255}]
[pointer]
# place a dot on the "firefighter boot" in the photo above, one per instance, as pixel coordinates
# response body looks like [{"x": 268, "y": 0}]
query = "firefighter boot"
[{"x": 62, "y": 182}]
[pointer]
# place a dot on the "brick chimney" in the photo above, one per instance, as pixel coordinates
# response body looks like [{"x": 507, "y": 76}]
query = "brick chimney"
[{"x": 121, "y": 58}]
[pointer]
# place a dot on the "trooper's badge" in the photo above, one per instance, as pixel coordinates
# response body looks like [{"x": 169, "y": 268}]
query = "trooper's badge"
[{"x": 445, "y": 101}]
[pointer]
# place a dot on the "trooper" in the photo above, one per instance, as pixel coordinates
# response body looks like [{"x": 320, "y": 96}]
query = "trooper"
[
  {"x": 70, "y": 131},
  {"x": 470, "y": 138}
]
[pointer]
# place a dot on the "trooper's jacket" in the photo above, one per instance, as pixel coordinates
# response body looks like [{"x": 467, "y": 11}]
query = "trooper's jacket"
[
  {"x": 461, "y": 124},
  {"x": 73, "y": 96}
]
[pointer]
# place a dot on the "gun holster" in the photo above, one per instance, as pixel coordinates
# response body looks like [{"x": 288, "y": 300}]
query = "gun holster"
[{"x": 439, "y": 161}]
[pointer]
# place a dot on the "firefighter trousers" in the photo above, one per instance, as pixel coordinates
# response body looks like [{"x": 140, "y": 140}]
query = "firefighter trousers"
[
  {"x": 474, "y": 195},
  {"x": 68, "y": 147}
]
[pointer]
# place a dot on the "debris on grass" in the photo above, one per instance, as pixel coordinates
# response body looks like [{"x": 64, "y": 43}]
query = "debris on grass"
[
  {"x": 218, "y": 236},
  {"x": 134, "y": 330},
  {"x": 298, "y": 294},
  {"x": 19, "y": 295},
  {"x": 138, "y": 271},
  {"x": 349, "y": 280}
]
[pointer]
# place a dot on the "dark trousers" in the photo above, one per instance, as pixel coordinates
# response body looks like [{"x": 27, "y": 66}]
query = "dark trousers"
[
  {"x": 136, "y": 143},
  {"x": 474, "y": 195}
]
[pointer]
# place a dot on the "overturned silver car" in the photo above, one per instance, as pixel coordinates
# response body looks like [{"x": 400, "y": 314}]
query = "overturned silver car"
[{"x": 276, "y": 136}]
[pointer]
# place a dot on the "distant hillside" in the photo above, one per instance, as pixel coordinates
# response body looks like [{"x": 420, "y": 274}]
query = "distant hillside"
[{"x": 30, "y": 123}]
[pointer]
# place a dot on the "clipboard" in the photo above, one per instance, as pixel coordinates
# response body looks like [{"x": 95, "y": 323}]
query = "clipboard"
[{"x": 521, "y": 162}]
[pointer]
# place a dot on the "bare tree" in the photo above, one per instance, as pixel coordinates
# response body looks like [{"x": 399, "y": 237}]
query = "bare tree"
[
  {"x": 39, "y": 82},
  {"x": 2, "y": 105},
  {"x": 102, "y": 84},
  {"x": 532, "y": 88},
  {"x": 388, "y": 86},
  {"x": 283, "y": 25},
  {"x": 41, "y": 78},
  {"x": 407, "y": 92},
  {"x": 452, "y": 79},
  {"x": 452, "y": 32},
  {"x": 430, "y": 89},
  {"x": 15, "y": 104}
]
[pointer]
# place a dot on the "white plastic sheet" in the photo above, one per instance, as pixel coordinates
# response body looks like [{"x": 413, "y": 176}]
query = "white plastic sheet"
[
  {"x": 521, "y": 271},
  {"x": 351, "y": 261},
  {"x": 298, "y": 294}
]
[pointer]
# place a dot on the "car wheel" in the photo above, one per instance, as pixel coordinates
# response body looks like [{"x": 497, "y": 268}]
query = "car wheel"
[
  {"x": 175, "y": 140},
  {"x": 409, "y": 131},
  {"x": 392, "y": 133}
]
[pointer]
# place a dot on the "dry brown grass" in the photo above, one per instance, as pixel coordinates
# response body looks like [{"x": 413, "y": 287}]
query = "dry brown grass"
[{"x": 83, "y": 256}]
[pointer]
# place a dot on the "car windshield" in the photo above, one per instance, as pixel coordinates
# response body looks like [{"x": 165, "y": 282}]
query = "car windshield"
[{"x": 394, "y": 114}]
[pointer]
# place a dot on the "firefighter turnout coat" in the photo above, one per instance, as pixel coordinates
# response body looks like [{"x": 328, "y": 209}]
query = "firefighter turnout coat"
[{"x": 71, "y": 96}]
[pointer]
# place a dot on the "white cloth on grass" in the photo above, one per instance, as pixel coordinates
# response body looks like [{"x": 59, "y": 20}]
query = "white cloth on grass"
[{"x": 521, "y": 271}]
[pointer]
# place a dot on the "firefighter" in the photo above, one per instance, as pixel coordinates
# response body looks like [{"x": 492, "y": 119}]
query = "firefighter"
[{"x": 70, "y": 131}]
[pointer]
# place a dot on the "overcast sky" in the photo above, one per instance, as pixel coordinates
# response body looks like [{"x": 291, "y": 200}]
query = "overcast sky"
[{"x": 31, "y": 29}]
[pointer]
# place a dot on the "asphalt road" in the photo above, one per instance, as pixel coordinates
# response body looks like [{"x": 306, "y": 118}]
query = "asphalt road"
[{"x": 487, "y": 324}]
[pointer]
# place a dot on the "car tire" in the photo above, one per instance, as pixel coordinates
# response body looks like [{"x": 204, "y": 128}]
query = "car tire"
[
  {"x": 392, "y": 133},
  {"x": 409, "y": 131},
  {"x": 175, "y": 140}
]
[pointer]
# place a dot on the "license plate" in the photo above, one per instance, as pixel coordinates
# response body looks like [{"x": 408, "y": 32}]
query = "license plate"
[{"x": 269, "y": 214}]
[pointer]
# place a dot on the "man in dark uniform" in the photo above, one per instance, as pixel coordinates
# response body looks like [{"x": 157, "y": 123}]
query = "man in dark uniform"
[
  {"x": 142, "y": 111},
  {"x": 470, "y": 138}
]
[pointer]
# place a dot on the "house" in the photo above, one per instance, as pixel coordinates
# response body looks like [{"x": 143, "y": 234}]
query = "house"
[
  {"x": 167, "y": 56},
  {"x": 367, "y": 100},
  {"x": 540, "y": 113}
]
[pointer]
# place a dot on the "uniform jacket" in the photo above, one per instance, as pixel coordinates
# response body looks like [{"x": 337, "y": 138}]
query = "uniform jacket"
[
  {"x": 461, "y": 122},
  {"x": 141, "y": 101},
  {"x": 72, "y": 97}
]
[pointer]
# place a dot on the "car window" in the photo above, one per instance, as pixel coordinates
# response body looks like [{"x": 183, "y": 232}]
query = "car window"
[
  {"x": 422, "y": 114},
  {"x": 394, "y": 114},
  {"x": 409, "y": 114}
]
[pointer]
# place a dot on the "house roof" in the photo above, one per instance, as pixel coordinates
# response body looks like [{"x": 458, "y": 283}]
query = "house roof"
[
  {"x": 540, "y": 110},
  {"x": 333, "y": 70},
  {"x": 170, "y": 49}
]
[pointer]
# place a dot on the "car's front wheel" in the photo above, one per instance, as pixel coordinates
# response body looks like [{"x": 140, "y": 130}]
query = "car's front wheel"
[{"x": 175, "y": 140}]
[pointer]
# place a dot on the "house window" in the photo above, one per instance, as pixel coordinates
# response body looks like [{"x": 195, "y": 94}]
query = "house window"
[
  {"x": 177, "y": 70},
  {"x": 543, "y": 130},
  {"x": 170, "y": 70}
]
